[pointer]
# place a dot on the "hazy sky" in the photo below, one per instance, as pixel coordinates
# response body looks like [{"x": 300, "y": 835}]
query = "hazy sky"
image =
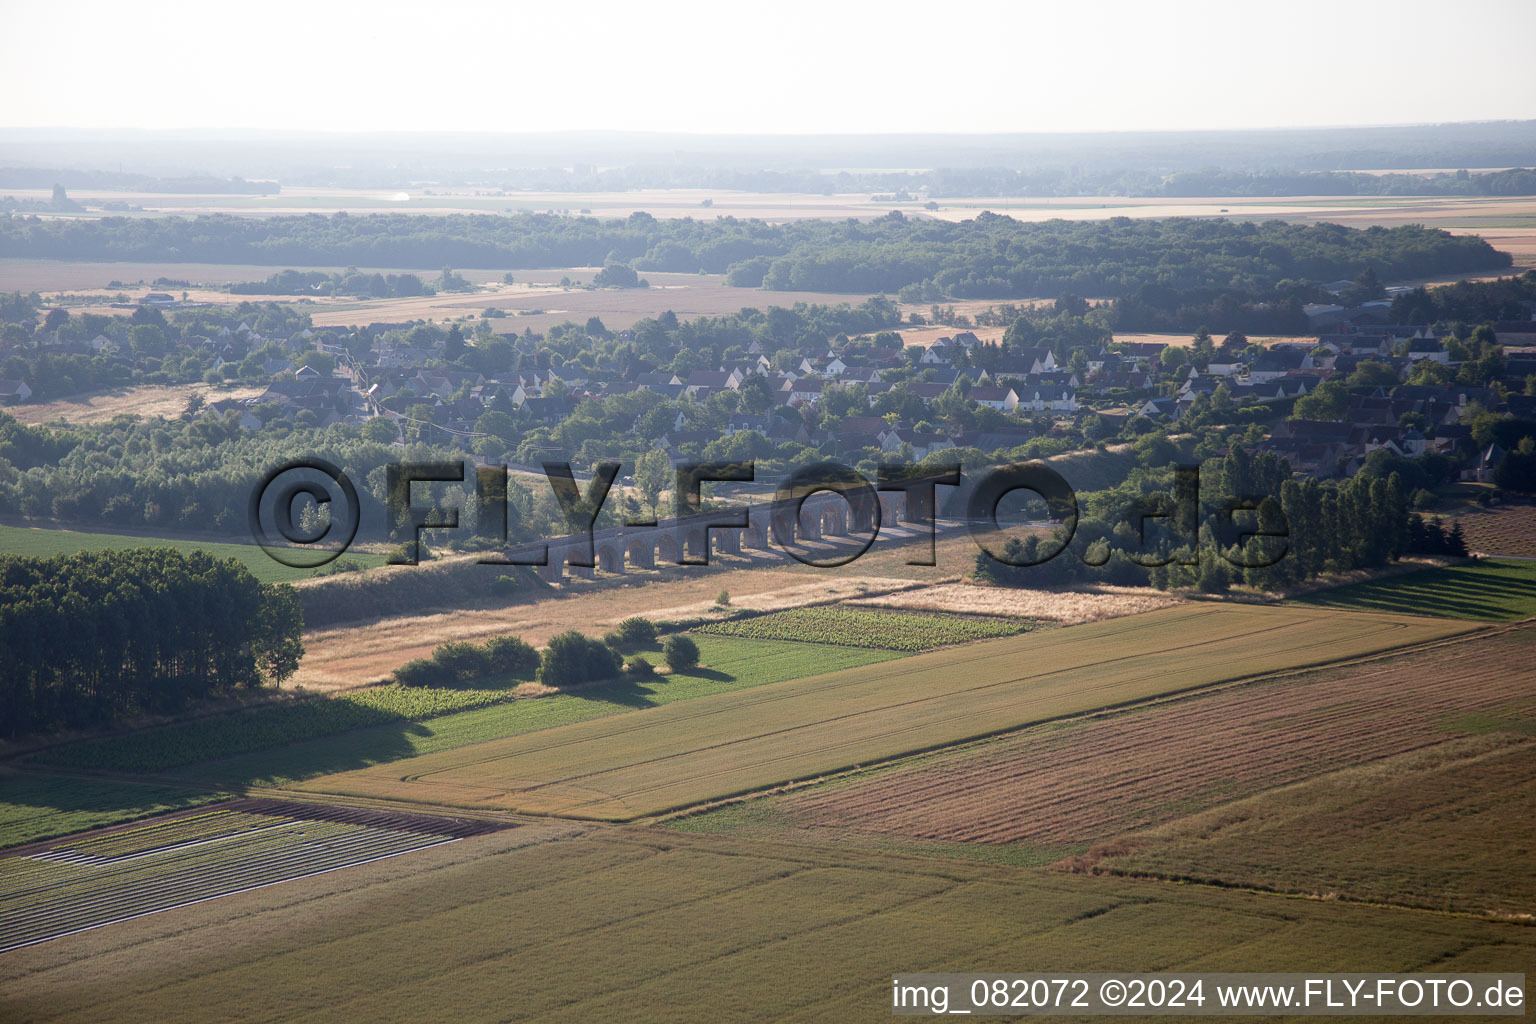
[{"x": 786, "y": 66}]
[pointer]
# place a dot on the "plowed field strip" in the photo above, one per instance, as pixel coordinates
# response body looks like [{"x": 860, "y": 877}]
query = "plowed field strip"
[{"x": 1097, "y": 778}]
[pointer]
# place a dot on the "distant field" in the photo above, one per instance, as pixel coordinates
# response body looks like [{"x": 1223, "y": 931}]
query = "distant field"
[
  {"x": 853, "y": 627},
  {"x": 1508, "y": 529},
  {"x": 46, "y": 542},
  {"x": 1491, "y": 590},
  {"x": 1053, "y": 790},
  {"x": 633, "y": 765},
  {"x": 555, "y": 923},
  {"x": 164, "y": 401}
]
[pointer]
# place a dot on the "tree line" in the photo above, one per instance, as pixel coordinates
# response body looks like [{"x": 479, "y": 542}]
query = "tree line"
[
  {"x": 1288, "y": 531},
  {"x": 91, "y": 638},
  {"x": 990, "y": 256}
]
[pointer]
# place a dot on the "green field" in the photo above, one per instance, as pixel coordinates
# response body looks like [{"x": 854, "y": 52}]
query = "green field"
[
  {"x": 268, "y": 746},
  {"x": 629, "y": 766},
  {"x": 854, "y": 627},
  {"x": 1491, "y": 590},
  {"x": 265, "y": 726},
  {"x": 42, "y": 806},
  {"x": 27, "y": 540},
  {"x": 551, "y": 923}
]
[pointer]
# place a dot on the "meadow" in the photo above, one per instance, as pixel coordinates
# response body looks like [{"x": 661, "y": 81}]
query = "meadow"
[
  {"x": 629, "y": 766},
  {"x": 509, "y": 926},
  {"x": 47, "y": 542},
  {"x": 1491, "y": 590}
]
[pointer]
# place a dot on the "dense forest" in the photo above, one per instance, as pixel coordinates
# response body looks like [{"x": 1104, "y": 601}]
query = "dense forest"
[
  {"x": 90, "y": 638},
  {"x": 991, "y": 256},
  {"x": 1468, "y": 301}
]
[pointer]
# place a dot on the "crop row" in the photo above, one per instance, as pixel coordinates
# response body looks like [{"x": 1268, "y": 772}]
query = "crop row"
[
  {"x": 183, "y": 743},
  {"x": 197, "y": 827},
  {"x": 68, "y": 897},
  {"x": 855, "y": 627}
]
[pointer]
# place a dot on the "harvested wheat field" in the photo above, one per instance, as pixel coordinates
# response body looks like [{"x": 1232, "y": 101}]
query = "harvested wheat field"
[
  {"x": 1045, "y": 605},
  {"x": 163, "y": 401},
  {"x": 355, "y": 655},
  {"x": 1071, "y": 784},
  {"x": 679, "y": 755}
]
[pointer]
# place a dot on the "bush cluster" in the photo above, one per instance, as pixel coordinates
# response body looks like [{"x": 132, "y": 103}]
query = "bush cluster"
[
  {"x": 458, "y": 662},
  {"x": 573, "y": 659},
  {"x": 635, "y": 631}
]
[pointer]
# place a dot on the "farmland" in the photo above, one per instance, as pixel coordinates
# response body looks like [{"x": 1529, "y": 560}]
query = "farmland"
[
  {"x": 1052, "y": 790},
  {"x": 75, "y": 886},
  {"x": 852, "y": 627},
  {"x": 1092, "y": 605},
  {"x": 1490, "y": 590},
  {"x": 28, "y": 540},
  {"x": 1507, "y": 529},
  {"x": 267, "y": 725},
  {"x": 1448, "y": 828},
  {"x": 510, "y": 926},
  {"x": 37, "y": 806},
  {"x": 348, "y": 655},
  {"x": 149, "y": 400},
  {"x": 634, "y": 765},
  {"x": 295, "y": 740}
]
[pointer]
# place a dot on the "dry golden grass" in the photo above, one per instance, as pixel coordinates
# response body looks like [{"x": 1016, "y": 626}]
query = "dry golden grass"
[
  {"x": 165, "y": 402},
  {"x": 1047, "y": 605}
]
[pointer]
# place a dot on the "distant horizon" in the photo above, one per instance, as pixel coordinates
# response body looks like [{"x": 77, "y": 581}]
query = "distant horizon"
[
  {"x": 806, "y": 67},
  {"x": 196, "y": 132}
]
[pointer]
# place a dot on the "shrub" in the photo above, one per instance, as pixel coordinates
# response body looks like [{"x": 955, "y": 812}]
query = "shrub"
[
  {"x": 424, "y": 672},
  {"x": 614, "y": 640},
  {"x": 572, "y": 659},
  {"x": 723, "y": 598},
  {"x": 463, "y": 661},
  {"x": 681, "y": 653},
  {"x": 512, "y": 656},
  {"x": 637, "y": 631},
  {"x": 639, "y": 667}
]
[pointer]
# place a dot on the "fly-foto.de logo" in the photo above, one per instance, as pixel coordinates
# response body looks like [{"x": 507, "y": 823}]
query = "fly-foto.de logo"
[{"x": 825, "y": 514}]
